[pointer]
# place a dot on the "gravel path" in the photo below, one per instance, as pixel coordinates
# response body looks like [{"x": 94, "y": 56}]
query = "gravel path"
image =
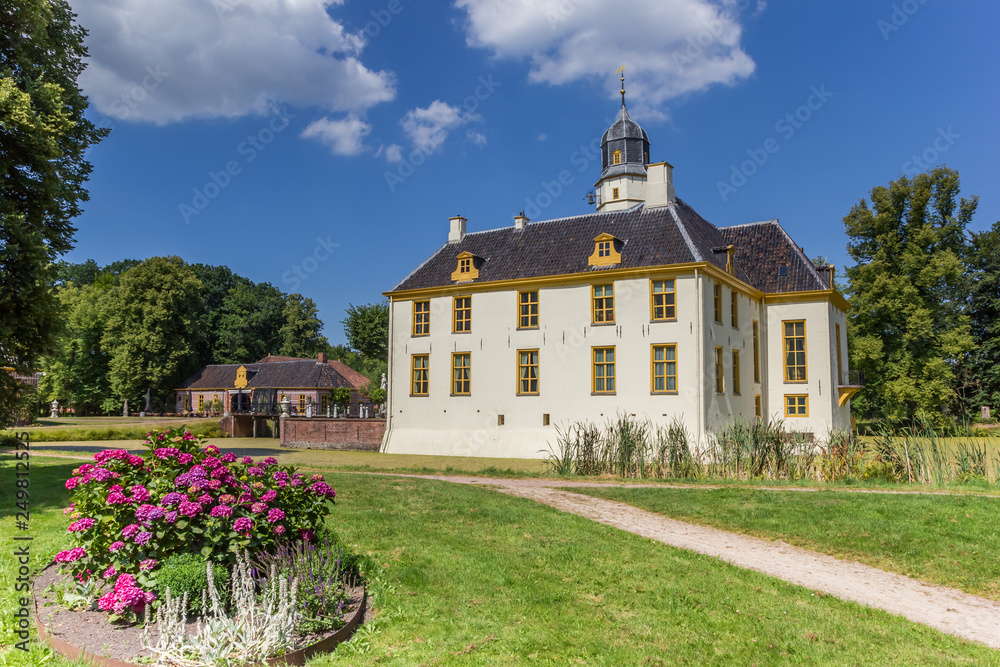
[{"x": 946, "y": 609}]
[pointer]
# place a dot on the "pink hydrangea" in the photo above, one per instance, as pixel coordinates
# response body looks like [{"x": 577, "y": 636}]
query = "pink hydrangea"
[
  {"x": 85, "y": 468},
  {"x": 280, "y": 475},
  {"x": 243, "y": 526},
  {"x": 211, "y": 449},
  {"x": 270, "y": 461},
  {"x": 269, "y": 496},
  {"x": 126, "y": 595},
  {"x": 139, "y": 493},
  {"x": 130, "y": 530},
  {"x": 257, "y": 508},
  {"x": 316, "y": 478},
  {"x": 205, "y": 498},
  {"x": 69, "y": 509},
  {"x": 115, "y": 546},
  {"x": 170, "y": 517},
  {"x": 254, "y": 471},
  {"x": 245, "y": 497},
  {"x": 110, "y": 454},
  {"x": 148, "y": 564},
  {"x": 110, "y": 572},
  {"x": 282, "y": 484},
  {"x": 210, "y": 462},
  {"x": 185, "y": 458},
  {"x": 227, "y": 499},
  {"x": 135, "y": 460},
  {"x": 228, "y": 457},
  {"x": 307, "y": 535},
  {"x": 323, "y": 489},
  {"x": 247, "y": 460},
  {"x": 71, "y": 555},
  {"x": 278, "y": 530},
  {"x": 275, "y": 515},
  {"x": 221, "y": 510},
  {"x": 117, "y": 498},
  {"x": 72, "y": 482},
  {"x": 142, "y": 538},
  {"x": 189, "y": 509},
  {"x": 81, "y": 525},
  {"x": 165, "y": 453},
  {"x": 214, "y": 484}
]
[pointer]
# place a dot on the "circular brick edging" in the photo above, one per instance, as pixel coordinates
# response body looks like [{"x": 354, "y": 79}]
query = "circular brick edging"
[{"x": 297, "y": 657}]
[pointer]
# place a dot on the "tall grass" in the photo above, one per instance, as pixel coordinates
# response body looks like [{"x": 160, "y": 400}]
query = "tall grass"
[{"x": 628, "y": 447}]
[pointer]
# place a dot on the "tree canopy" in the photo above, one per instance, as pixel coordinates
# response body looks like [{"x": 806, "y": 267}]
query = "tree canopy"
[
  {"x": 908, "y": 324},
  {"x": 983, "y": 375},
  {"x": 367, "y": 329}
]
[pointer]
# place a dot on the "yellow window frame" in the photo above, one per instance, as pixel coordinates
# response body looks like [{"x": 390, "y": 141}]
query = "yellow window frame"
[
  {"x": 616, "y": 158},
  {"x": 603, "y": 370},
  {"x": 324, "y": 403},
  {"x": 720, "y": 378},
  {"x": 796, "y": 405},
  {"x": 603, "y": 304},
  {"x": 461, "y": 374},
  {"x": 757, "y": 410},
  {"x": 663, "y": 368},
  {"x": 527, "y": 310},
  {"x": 717, "y": 301},
  {"x": 736, "y": 372},
  {"x": 794, "y": 347},
  {"x": 756, "y": 351},
  {"x": 840, "y": 368},
  {"x": 527, "y": 373},
  {"x": 461, "y": 314},
  {"x": 421, "y": 318},
  {"x": 419, "y": 374},
  {"x": 201, "y": 402},
  {"x": 302, "y": 404},
  {"x": 734, "y": 308},
  {"x": 663, "y": 301}
]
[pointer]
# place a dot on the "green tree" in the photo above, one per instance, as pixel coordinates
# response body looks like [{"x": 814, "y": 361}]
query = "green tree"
[
  {"x": 249, "y": 326},
  {"x": 43, "y": 138},
  {"x": 300, "y": 334},
  {"x": 984, "y": 310},
  {"x": 216, "y": 284},
  {"x": 907, "y": 324},
  {"x": 367, "y": 329},
  {"x": 77, "y": 373},
  {"x": 152, "y": 330}
]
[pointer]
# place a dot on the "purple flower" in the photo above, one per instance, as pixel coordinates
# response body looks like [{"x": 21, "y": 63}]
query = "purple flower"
[
  {"x": 130, "y": 530},
  {"x": 198, "y": 473},
  {"x": 279, "y": 530},
  {"x": 228, "y": 457},
  {"x": 221, "y": 510},
  {"x": 254, "y": 471},
  {"x": 227, "y": 499},
  {"x": 280, "y": 475},
  {"x": 185, "y": 458},
  {"x": 247, "y": 460},
  {"x": 165, "y": 453},
  {"x": 143, "y": 537},
  {"x": 170, "y": 517},
  {"x": 172, "y": 498},
  {"x": 82, "y": 524},
  {"x": 147, "y": 564},
  {"x": 257, "y": 508},
  {"x": 189, "y": 509},
  {"x": 182, "y": 480},
  {"x": 323, "y": 489},
  {"x": 102, "y": 475},
  {"x": 243, "y": 525},
  {"x": 115, "y": 546},
  {"x": 110, "y": 572},
  {"x": 296, "y": 481},
  {"x": 148, "y": 513},
  {"x": 270, "y": 461},
  {"x": 275, "y": 515},
  {"x": 269, "y": 496},
  {"x": 205, "y": 498},
  {"x": 282, "y": 484}
]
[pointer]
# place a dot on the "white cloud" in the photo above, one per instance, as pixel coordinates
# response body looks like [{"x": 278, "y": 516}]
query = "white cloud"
[
  {"x": 394, "y": 153},
  {"x": 344, "y": 136},
  {"x": 669, "y": 48},
  {"x": 222, "y": 58},
  {"x": 428, "y": 127},
  {"x": 542, "y": 136},
  {"x": 478, "y": 138}
]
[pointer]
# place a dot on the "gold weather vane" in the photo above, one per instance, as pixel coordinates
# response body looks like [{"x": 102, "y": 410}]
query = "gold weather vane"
[{"x": 622, "y": 70}]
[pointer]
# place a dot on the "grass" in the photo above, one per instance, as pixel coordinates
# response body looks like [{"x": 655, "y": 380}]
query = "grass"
[
  {"x": 948, "y": 540},
  {"x": 44, "y": 423},
  {"x": 207, "y": 428},
  {"x": 465, "y": 576}
]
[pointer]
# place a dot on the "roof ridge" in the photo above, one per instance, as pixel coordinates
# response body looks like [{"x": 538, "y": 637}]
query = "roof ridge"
[
  {"x": 802, "y": 255},
  {"x": 562, "y": 219},
  {"x": 672, "y": 207},
  {"x": 772, "y": 221}
]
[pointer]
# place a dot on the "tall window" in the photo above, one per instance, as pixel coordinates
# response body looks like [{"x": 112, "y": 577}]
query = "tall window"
[
  {"x": 421, "y": 318},
  {"x": 664, "y": 360},
  {"x": 796, "y": 405},
  {"x": 604, "y": 370},
  {"x": 616, "y": 158},
  {"x": 302, "y": 404},
  {"x": 756, "y": 351},
  {"x": 840, "y": 370},
  {"x": 614, "y": 193},
  {"x": 461, "y": 374},
  {"x": 662, "y": 300},
  {"x": 795, "y": 350},
  {"x": 756, "y": 406},
  {"x": 324, "y": 403},
  {"x": 418, "y": 374},
  {"x": 527, "y": 310},
  {"x": 201, "y": 402},
  {"x": 527, "y": 371},
  {"x": 717, "y": 301},
  {"x": 604, "y": 304},
  {"x": 720, "y": 380},
  {"x": 463, "y": 314},
  {"x": 736, "y": 372},
  {"x": 734, "y": 308}
]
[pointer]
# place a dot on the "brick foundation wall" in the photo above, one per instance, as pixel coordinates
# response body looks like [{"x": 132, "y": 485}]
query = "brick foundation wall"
[
  {"x": 323, "y": 433},
  {"x": 241, "y": 426}
]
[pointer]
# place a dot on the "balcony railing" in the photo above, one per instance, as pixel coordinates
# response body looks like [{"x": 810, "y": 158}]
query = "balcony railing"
[{"x": 852, "y": 379}]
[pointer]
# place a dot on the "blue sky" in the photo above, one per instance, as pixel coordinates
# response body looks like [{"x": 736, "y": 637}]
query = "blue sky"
[{"x": 323, "y": 149}]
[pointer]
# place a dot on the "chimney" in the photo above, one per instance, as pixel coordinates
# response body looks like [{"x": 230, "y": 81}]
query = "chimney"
[
  {"x": 456, "y": 231},
  {"x": 321, "y": 358},
  {"x": 660, "y": 185},
  {"x": 520, "y": 221}
]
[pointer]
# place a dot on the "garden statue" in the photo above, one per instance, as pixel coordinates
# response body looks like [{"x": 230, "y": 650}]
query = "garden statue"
[
  {"x": 54, "y": 409},
  {"x": 285, "y": 405},
  {"x": 385, "y": 383},
  {"x": 309, "y": 410},
  {"x": 125, "y": 409}
]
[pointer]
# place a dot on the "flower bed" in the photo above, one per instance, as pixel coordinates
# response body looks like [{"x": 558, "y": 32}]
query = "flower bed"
[{"x": 132, "y": 516}]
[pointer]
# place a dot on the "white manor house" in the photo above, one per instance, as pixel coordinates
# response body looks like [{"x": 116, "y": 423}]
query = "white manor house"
[{"x": 642, "y": 307}]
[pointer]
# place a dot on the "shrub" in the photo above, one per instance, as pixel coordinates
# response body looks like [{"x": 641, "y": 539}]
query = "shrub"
[
  {"x": 185, "y": 573},
  {"x": 130, "y": 513}
]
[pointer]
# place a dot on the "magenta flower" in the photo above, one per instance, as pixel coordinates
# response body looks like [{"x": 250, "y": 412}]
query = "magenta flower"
[
  {"x": 211, "y": 449},
  {"x": 135, "y": 460},
  {"x": 115, "y": 546},
  {"x": 82, "y": 524},
  {"x": 307, "y": 535},
  {"x": 117, "y": 498},
  {"x": 296, "y": 481},
  {"x": 247, "y": 460},
  {"x": 257, "y": 508},
  {"x": 227, "y": 499},
  {"x": 189, "y": 509},
  {"x": 72, "y": 482},
  {"x": 71, "y": 555},
  {"x": 110, "y": 572},
  {"x": 148, "y": 564},
  {"x": 280, "y": 475},
  {"x": 86, "y": 467},
  {"x": 270, "y": 461},
  {"x": 147, "y": 513},
  {"x": 139, "y": 493},
  {"x": 210, "y": 462},
  {"x": 215, "y": 484},
  {"x": 185, "y": 458},
  {"x": 282, "y": 484},
  {"x": 70, "y": 509},
  {"x": 269, "y": 496},
  {"x": 126, "y": 594},
  {"x": 130, "y": 530},
  {"x": 323, "y": 489},
  {"x": 278, "y": 530},
  {"x": 316, "y": 478},
  {"x": 143, "y": 537},
  {"x": 172, "y": 498},
  {"x": 243, "y": 525},
  {"x": 165, "y": 453},
  {"x": 205, "y": 498},
  {"x": 170, "y": 517},
  {"x": 221, "y": 510},
  {"x": 245, "y": 498},
  {"x": 254, "y": 471},
  {"x": 228, "y": 457},
  {"x": 275, "y": 515}
]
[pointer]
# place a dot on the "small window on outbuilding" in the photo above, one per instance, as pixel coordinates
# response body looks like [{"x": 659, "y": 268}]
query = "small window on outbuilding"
[{"x": 606, "y": 251}]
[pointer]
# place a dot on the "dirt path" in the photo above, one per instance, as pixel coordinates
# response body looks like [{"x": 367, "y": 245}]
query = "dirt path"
[{"x": 946, "y": 609}]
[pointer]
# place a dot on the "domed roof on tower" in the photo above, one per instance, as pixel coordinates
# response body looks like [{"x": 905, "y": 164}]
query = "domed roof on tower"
[{"x": 625, "y": 145}]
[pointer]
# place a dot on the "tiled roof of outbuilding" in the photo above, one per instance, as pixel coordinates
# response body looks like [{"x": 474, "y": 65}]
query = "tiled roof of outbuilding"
[
  {"x": 299, "y": 373},
  {"x": 651, "y": 237}
]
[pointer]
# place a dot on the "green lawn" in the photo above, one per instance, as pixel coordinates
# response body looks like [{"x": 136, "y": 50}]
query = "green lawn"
[
  {"x": 948, "y": 540},
  {"x": 468, "y": 576}
]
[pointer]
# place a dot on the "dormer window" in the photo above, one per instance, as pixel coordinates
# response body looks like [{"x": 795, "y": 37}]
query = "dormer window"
[
  {"x": 468, "y": 267},
  {"x": 616, "y": 159},
  {"x": 614, "y": 193},
  {"x": 606, "y": 251}
]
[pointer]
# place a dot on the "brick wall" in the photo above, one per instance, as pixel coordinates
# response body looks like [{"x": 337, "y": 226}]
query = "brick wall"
[{"x": 323, "y": 433}]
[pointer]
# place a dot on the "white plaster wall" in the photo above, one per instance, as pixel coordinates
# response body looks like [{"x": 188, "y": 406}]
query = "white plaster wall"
[{"x": 631, "y": 190}]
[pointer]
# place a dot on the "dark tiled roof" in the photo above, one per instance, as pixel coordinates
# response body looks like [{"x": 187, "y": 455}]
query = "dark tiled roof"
[
  {"x": 673, "y": 234},
  {"x": 279, "y": 374},
  {"x": 762, "y": 248}
]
